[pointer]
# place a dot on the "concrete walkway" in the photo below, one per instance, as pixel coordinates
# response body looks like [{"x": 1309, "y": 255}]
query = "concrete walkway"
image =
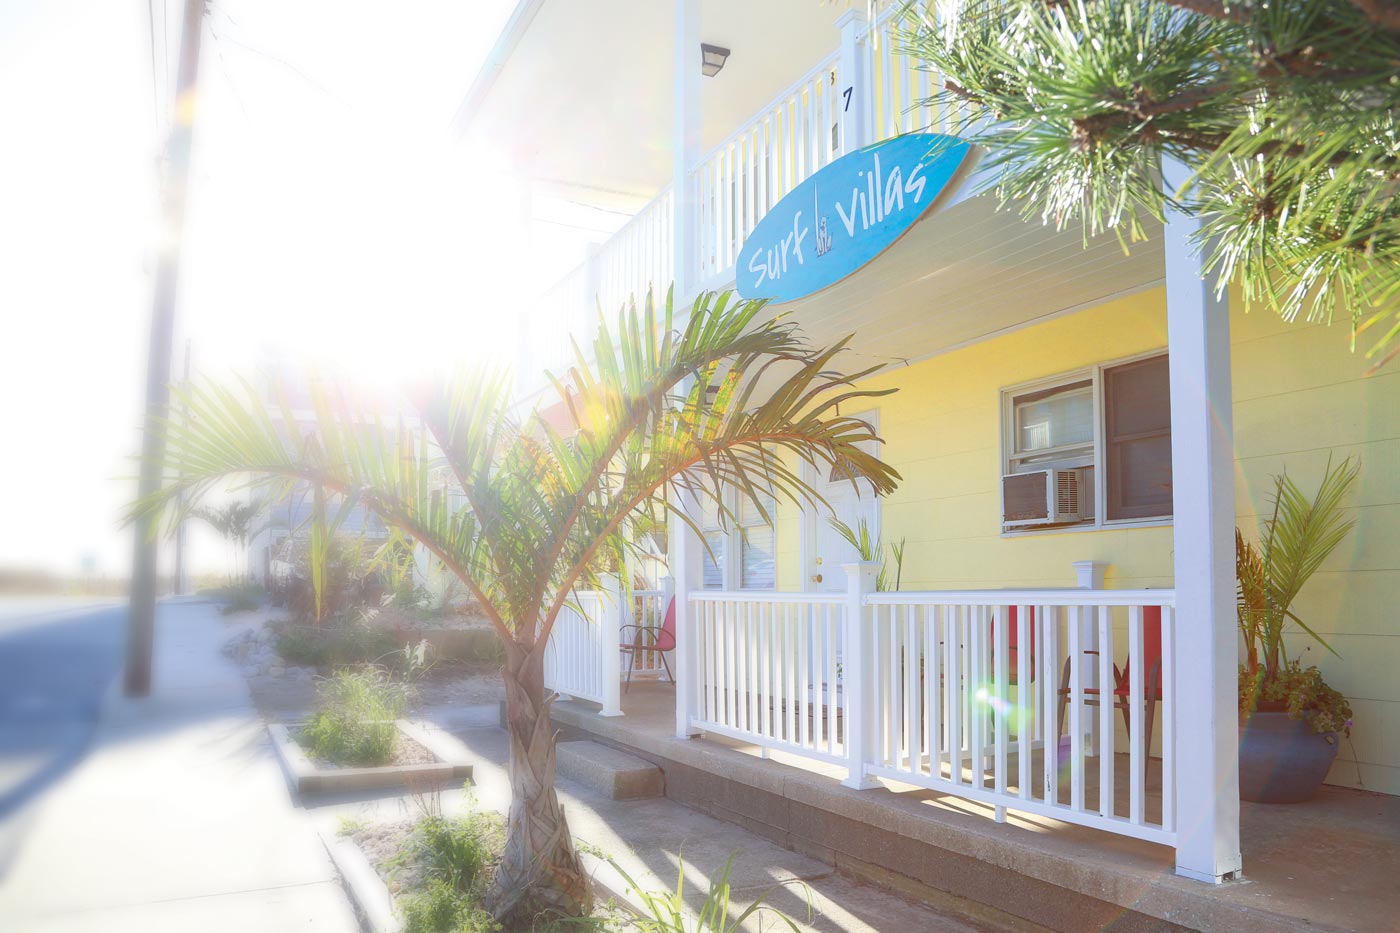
[
  {"x": 650, "y": 838},
  {"x": 179, "y": 818}
]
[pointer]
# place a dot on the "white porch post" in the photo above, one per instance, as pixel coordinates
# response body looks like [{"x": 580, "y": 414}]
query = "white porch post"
[
  {"x": 686, "y": 147},
  {"x": 855, "y": 664},
  {"x": 668, "y": 593},
  {"x": 687, "y": 569},
  {"x": 1203, "y": 497},
  {"x": 612, "y": 616},
  {"x": 854, "y": 73}
]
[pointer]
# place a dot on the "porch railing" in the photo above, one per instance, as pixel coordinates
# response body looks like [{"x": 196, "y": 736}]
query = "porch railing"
[
  {"x": 583, "y": 656},
  {"x": 990, "y": 695}
]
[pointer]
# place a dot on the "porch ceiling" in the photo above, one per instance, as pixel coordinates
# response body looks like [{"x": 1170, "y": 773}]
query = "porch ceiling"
[
  {"x": 583, "y": 97},
  {"x": 968, "y": 272}
]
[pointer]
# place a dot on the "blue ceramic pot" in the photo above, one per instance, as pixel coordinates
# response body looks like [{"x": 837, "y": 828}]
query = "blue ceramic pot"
[{"x": 1282, "y": 760}]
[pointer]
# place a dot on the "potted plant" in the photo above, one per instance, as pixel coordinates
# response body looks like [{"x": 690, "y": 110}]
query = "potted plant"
[{"x": 1289, "y": 718}]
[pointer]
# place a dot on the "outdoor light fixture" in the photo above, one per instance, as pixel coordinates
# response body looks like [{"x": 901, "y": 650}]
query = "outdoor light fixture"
[{"x": 712, "y": 59}]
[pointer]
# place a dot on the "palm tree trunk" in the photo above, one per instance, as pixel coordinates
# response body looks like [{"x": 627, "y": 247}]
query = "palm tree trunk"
[{"x": 539, "y": 870}]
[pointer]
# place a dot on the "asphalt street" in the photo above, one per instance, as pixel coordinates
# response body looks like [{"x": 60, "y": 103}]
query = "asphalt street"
[{"x": 57, "y": 658}]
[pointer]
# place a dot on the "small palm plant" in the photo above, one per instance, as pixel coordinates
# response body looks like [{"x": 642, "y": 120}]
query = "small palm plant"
[
  {"x": 870, "y": 548},
  {"x": 662, "y": 413},
  {"x": 1293, "y": 543}
]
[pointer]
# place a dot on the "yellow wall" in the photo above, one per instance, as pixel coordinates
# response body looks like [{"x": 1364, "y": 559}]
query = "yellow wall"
[{"x": 1300, "y": 395}]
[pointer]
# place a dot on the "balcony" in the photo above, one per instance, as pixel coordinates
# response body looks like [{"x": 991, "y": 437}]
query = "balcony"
[{"x": 863, "y": 90}]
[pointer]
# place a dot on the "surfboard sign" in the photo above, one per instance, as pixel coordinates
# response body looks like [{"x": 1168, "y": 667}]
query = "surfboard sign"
[{"x": 845, "y": 215}]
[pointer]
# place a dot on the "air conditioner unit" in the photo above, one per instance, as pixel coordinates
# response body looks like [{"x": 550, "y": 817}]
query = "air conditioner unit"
[{"x": 1045, "y": 497}]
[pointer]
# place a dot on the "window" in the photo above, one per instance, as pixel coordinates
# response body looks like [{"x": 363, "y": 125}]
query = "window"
[
  {"x": 742, "y": 555},
  {"x": 757, "y": 565},
  {"x": 1109, "y": 427}
]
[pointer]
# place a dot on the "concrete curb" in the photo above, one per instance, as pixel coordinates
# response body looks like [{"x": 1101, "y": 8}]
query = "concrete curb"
[
  {"x": 303, "y": 777},
  {"x": 368, "y": 892}
]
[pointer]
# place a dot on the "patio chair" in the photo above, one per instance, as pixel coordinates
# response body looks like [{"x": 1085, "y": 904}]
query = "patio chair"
[
  {"x": 662, "y": 641},
  {"x": 1011, "y": 646},
  {"x": 1152, "y": 687}
]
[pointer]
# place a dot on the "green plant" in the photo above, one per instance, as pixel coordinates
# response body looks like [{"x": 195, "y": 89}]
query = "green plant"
[
  {"x": 665, "y": 912},
  {"x": 343, "y": 641},
  {"x": 441, "y": 908},
  {"x": 661, "y": 413},
  {"x": 1298, "y": 536},
  {"x": 238, "y": 523},
  {"x": 354, "y": 719},
  {"x": 1283, "y": 112},
  {"x": 870, "y": 549}
]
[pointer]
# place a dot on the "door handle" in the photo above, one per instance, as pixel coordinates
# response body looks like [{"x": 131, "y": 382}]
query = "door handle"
[{"x": 816, "y": 578}]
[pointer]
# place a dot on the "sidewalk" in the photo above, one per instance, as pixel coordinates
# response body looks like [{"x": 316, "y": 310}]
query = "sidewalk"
[
  {"x": 179, "y": 817},
  {"x": 649, "y": 838}
]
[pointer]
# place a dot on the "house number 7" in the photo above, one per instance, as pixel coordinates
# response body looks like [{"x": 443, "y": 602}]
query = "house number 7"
[{"x": 847, "y": 94}]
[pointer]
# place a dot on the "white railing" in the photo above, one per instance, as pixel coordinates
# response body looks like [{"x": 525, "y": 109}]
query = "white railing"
[
  {"x": 995, "y": 696},
  {"x": 648, "y": 612},
  {"x": 930, "y": 689},
  {"x": 900, "y": 83},
  {"x": 768, "y": 670},
  {"x": 636, "y": 258},
  {"x": 866, "y": 90},
  {"x": 781, "y": 146},
  {"x": 582, "y": 657}
]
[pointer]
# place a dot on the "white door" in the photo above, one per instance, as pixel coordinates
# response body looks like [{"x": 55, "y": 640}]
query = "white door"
[{"x": 826, "y": 548}]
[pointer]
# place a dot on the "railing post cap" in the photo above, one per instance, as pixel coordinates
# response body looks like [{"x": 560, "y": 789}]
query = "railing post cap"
[{"x": 862, "y": 567}]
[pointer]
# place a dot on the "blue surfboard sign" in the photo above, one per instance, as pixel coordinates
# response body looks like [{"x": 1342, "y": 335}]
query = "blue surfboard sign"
[{"x": 845, "y": 215}]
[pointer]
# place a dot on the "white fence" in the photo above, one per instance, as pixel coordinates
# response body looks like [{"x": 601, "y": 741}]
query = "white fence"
[
  {"x": 583, "y": 658},
  {"x": 990, "y": 695}
]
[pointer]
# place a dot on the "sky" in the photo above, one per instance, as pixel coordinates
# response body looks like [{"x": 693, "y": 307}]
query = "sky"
[{"x": 333, "y": 216}]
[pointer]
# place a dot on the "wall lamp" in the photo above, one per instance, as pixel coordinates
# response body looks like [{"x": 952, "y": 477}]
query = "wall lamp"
[{"x": 712, "y": 59}]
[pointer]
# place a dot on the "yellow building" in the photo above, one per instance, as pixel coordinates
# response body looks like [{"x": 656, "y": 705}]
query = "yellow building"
[{"x": 1079, "y": 430}]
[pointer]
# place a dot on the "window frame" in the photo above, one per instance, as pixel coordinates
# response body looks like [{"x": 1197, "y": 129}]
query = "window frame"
[
  {"x": 731, "y": 567},
  {"x": 1095, "y": 376}
]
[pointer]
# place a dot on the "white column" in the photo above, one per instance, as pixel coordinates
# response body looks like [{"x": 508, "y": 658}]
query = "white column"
[
  {"x": 1203, "y": 496},
  {"x": 685, "y": 560},
  {"x": 854, "y": 73},
  {"x": 668, "y": 593},
  {"x": 685, "y": 147},
  {"x": 855, "y": 666},
  {"x": 612, "y": 617}
]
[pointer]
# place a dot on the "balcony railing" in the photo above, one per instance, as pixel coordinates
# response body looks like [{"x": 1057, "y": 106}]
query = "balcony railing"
[{"x": 867, "y": 89}]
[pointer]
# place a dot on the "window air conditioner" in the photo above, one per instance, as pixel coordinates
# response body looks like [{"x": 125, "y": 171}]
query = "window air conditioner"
[{"x": 1045, "y": 497}]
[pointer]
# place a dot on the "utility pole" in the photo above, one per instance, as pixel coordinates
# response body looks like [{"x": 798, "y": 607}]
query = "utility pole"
[{"x": 175, "y": 174}]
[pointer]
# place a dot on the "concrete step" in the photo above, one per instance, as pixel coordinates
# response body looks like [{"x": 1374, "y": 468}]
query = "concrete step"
[{"x": 616, "y": 773}]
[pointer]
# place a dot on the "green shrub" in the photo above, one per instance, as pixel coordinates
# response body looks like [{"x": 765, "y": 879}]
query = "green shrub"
[
  {"x": 354, "y": 720},
  {"x": 441, "y": 908},
  {"x": 340, "y": 642},
  {"x": 455, "y": 855}
]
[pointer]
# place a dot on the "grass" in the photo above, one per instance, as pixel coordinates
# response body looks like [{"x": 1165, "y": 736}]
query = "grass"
[
  {"x": 337, "y": 643},
  {"x": 454, "y": 856},
  {"x": 354, "y": 719}
]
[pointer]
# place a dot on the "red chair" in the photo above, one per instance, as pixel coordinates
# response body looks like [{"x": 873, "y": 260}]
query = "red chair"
[
  {"x": 662, "y": 640},
  {"x": 1011, "y": 646},
  {"x": 1152, "y": 687}
]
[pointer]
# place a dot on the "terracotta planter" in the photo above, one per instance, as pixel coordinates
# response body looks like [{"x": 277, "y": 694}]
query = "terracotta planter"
[{"x": 1282, "y": 760}]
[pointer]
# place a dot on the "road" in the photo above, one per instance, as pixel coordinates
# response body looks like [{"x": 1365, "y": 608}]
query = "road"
[{"x": 57, "y": 658}]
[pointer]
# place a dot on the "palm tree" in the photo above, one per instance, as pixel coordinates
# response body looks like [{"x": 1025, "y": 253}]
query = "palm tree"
[
  {"x": 235, "y": 522},
  {"x": 661, "y": 414}
]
